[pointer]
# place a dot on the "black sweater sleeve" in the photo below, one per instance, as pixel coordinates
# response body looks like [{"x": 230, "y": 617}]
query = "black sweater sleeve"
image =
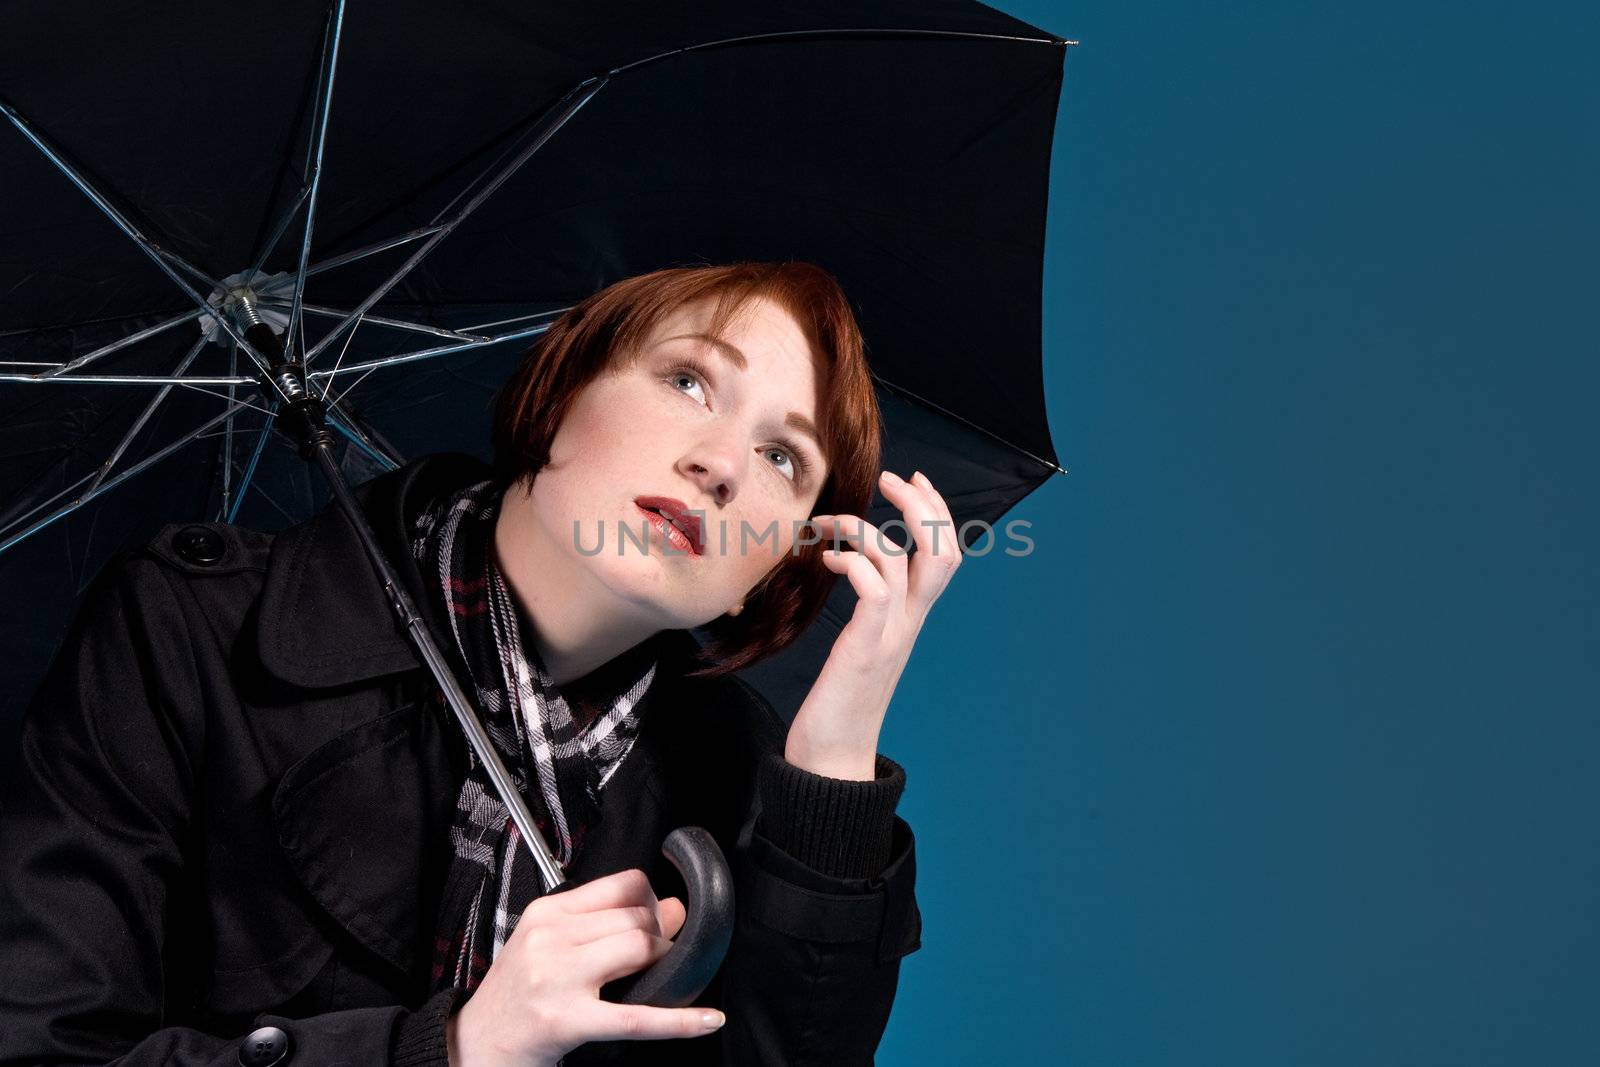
[
  {"x": 838, "y": 827},
  {"x": 419, "y": 1037}
]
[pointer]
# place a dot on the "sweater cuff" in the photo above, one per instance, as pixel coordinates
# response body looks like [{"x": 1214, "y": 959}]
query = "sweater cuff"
[
  {"x": 419, "y": 1039},
  {"x": 836, "y": 826}
]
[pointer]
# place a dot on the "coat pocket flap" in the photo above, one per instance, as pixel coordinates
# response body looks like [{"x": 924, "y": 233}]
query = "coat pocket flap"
[{"x": 246, "y": 990}]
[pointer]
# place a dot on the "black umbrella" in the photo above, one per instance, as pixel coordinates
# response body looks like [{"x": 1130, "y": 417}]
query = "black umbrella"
[{"x": 410, "y": 192}]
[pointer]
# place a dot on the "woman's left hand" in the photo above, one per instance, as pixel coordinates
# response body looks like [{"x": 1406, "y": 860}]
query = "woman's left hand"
[{"x": 835, "y": 732}]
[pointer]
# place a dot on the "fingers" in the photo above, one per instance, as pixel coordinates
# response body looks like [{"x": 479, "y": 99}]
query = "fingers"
[
  {"x": 919, "y": 580},
  {"x": 664, "y": 921},
  {"x": 593, "y": 925},
  {"x": 634, "y": 1022},
  {"x": 946, "y": 527},
  {"x": 887, "y": 563},
  {"x": 938, "y": 557},
  {"x": 874, "y": 600},
  {"x": 541, "y": 995},
  {"x": 630, "y": 888},
  {"x": 673, "y": 914},
  {"x": 618, "y": 954}
]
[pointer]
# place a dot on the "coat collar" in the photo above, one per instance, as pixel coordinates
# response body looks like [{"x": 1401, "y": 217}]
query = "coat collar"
[{"x": 325, "y": 619}]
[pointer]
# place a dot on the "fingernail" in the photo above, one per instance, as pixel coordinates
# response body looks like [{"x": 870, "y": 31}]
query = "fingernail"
[
  {"x": 821, "y": 518},
  {"x": 920, "y": 478},
  {"x": 891, "y": 477},
  {"x": 712, "y": 1019}
]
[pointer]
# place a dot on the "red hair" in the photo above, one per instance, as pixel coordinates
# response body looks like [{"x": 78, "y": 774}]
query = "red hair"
[{"x": 611, "y": 324}]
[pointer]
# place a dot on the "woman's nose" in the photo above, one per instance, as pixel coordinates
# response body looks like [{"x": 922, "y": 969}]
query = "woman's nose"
[{"x": 717, "y": 470}]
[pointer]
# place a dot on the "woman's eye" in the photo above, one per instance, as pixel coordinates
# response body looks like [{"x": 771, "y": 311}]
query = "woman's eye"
[
  {"x": 783, "y": 457},
  {"x": 683, "y": 375}
]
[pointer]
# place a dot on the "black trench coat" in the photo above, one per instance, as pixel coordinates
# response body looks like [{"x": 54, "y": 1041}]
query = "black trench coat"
[{"x": 233, "y": 804}]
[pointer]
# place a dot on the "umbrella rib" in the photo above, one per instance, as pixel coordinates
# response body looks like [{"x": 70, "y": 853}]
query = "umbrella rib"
[
  {"x": 559, "y": 114},
  {"x": 133, "y": 338},
  {"x": 277, "y": 234},
  {"x": 518, "y": 318},
  {"x": 250, "y": 469},
  {"x": 112, "y": 483},
  {"x": 331, "y": 39},
  {"x": 352, "y": 432},
  {"x": 327, "y": 386},
  {"x": 373, "y": 249},
  {"x": 159, "y": 256},
  {"x": 426, "y": 353},
  {"x": 378, "y": 320},
  {"x": 128, "y": 379},
  {"x": 144, "y": 417},
  {"x": 371, "y": 435},
  {"x": 350, "y": 388},
  {"x": 344, "y": 422},
  {"x": 227, "y": 434},
  {"x": 31, "y": 512},
  {"x": 279, "y": 508},
  {"x": 925, "y": 402},
  {"x": 182, "y": 264},
  {"x": 843, "y": 31},
  {"x": 188, "y": 383}
]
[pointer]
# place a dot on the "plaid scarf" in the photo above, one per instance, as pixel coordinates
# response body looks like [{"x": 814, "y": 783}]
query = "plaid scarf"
[{"x": 568, "y": 750}]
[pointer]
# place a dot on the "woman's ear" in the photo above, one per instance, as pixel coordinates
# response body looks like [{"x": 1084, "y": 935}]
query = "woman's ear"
[{"x": 760, "y": 586}]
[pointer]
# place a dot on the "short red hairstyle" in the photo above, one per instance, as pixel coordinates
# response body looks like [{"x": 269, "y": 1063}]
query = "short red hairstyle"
[{"x": 612, "y": 323}]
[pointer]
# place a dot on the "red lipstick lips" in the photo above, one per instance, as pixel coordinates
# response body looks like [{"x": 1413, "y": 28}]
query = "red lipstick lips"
[{"x": 676, "y": 515}]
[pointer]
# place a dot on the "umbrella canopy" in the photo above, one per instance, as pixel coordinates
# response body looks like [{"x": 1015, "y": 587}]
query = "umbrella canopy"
[{"x": 415, "y": 190}]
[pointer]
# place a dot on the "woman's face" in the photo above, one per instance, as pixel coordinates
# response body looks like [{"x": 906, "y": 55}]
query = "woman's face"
[{"x": 718, "y": 427}]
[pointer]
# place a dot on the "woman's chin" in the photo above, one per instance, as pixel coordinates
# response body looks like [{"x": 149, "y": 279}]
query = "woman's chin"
[{"x": 642, "y": 586}]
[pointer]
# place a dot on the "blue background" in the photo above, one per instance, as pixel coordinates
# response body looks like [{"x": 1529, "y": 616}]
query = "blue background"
[{"x": 1281, "y": 747}]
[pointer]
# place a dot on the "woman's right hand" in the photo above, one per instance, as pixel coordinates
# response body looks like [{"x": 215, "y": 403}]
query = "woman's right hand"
[{"x": 541, "y": 997}]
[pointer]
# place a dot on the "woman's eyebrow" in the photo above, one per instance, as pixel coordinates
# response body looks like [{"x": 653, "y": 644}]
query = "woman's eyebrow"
[
  {"x": 732, "y": 354},
  {"x": 729, "y": 352}
]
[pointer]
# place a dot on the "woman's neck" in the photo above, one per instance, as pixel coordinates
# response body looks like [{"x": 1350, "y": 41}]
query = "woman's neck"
[{"x": 576, "y": 623}]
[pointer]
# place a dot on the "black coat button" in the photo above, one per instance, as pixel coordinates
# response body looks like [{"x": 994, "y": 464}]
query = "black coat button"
[
  {"x": 264, "y": 1047},
  {"x": 199, "y": 545}
]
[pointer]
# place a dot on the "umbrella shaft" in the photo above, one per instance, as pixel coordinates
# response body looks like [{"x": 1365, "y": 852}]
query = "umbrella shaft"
[
  {"x": 422, "y": 639},
  {"x": 303, "y": 418}
]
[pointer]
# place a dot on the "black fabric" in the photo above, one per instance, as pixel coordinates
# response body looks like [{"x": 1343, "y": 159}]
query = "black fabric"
[{"x": 209, "y": 832}]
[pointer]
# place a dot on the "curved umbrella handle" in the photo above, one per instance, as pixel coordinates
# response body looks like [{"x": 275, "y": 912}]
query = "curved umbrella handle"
[{"x": 683, "y": 973}]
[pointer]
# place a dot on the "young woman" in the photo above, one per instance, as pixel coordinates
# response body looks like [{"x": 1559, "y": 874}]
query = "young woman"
[{"x": 246, "y": 829}]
